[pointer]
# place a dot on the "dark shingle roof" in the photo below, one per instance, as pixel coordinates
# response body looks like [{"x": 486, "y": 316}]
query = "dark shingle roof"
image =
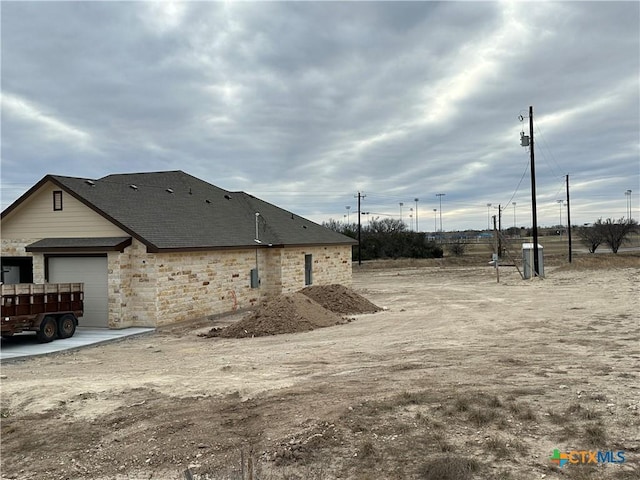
[
  {"x": 84, "y": 244},
  {"x": 174, "y": 210}
]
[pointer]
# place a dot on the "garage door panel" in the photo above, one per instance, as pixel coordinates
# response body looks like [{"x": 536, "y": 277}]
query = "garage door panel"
[{"x": 92, "y": 271}]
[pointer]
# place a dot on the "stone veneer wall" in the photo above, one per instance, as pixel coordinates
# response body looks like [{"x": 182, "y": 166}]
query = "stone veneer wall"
[
  {"x": 331, "y": 264},
  {"x": 133, "y": 287},
  {"x": 157, "y": 289},
  {"x": 192, "y": 284}
]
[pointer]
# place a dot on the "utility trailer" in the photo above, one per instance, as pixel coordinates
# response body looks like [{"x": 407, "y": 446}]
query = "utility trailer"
[{"x": 49, "y": 309}]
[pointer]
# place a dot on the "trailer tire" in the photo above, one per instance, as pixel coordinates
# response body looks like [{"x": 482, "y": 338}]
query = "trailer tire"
[
  {"x": 66, "y": 326},
  {"x": 48, "y": 330}
]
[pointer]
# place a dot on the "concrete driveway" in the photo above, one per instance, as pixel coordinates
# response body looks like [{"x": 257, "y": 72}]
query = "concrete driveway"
[{"x": 26, "y": 345}]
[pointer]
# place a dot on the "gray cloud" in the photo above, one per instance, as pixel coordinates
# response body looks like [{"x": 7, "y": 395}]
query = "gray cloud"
[{"x": 304, "y": 104}]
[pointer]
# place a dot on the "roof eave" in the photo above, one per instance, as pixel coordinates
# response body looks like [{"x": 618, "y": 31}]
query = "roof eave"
[
  {"x": 79, "y": 249},
  {"x": 243, "y": 247}
]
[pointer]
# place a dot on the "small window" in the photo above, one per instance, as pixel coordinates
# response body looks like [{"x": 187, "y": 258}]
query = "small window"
[
  {"x": 308, "y": 269},
  {"x": 57, "y": 200}
]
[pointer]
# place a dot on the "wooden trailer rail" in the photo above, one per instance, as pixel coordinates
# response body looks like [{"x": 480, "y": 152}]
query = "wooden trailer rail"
[
  {"x": 26, "y": 299},
  {"x": 49, "y": 309}
]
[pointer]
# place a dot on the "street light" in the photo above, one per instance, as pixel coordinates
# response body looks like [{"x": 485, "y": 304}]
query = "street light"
[
  {"x": 561, "y": 202},
  {"x": 435, "y": 220},
  {"x": 401, "y": 204},
  {"x": 488, "y": 216},
  {"x": 411, "y": 218},
  {"x": 628, "y": 195},
  {"x": 416, "y": 200},
  {"x": 440, "y": 195},
  {"x": 348, "y": 207},
  {"x": 514, "y": 217}
]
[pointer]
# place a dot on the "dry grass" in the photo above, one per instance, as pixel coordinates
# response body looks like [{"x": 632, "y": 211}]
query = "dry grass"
[
  {"x": 595, "y": 435},
  {"x": 482, "y": 416},
  {"x": 451, "y": 467},
  {"x": 479, "y": 254},
  {"x": 367, "y": 451},
  {"x": 602, "y": 261},
  {"x": 499, "y": 447},
  {"x": 579, "y": 411},
  {"x": 523, "y": 412}
]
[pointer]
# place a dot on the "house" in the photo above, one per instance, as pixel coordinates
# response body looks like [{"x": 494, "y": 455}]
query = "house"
[{"x": 163, "y": 247}]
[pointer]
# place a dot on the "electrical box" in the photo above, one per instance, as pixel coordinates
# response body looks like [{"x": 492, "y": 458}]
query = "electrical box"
[
  {"x": 255, "y": 281},
  {"x": 528, "y": 264}
]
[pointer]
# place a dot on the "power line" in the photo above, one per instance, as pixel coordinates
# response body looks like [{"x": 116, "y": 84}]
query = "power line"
[
  {"x": 526, "y": 169},
  {"x": 550, "y": 152}
]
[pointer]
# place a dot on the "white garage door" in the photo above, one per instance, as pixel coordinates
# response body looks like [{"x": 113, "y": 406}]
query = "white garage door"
[{"x": 92, "y": 271}]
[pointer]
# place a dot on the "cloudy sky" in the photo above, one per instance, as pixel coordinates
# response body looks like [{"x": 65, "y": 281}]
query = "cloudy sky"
[{"x": 304, "y": 104}]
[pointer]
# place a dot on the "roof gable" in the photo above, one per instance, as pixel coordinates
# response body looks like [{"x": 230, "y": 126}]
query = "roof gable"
[
  {"x": 176, "y": 211},
  {"x": 36, "y": 217}
]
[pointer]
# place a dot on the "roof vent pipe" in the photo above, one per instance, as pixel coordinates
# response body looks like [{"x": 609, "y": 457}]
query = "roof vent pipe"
[
  {"x": 170, "y": 190},
  {"x": 133, "y": 187}
]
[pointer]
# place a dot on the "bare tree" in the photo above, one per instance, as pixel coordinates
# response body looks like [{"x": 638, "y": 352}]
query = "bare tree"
[
  {"x": 386, "y": 225},
  {"x": 457, "y": 247},
  {"x": 334, "y": 225},
  {"x": 615, "y": 232},
  {"x": 590, "y": 236}
]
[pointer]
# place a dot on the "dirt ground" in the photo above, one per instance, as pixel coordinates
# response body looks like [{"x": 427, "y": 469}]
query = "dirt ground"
[{"x": 459, "y": 377}]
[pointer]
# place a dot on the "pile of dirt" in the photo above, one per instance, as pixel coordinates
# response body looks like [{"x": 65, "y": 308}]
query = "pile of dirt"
[
  {"x": 282, "y": 314},
  {"x": 310, "y": 308},
  {"x": 340, "y": 299}
]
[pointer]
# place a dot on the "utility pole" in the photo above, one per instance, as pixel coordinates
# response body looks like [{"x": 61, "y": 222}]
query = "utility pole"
[
  {"x": 568, "y": 219},
  {"x": 496, "y": 256},
  {"x": 536, "y": 262},
  {"x": 499, "y": 230},
  {"x": 440, "y": 195},
  {"x": 359, "y": 196},
  {"x": 561, "y": 202},
  {"x": 416, "y": 200}
]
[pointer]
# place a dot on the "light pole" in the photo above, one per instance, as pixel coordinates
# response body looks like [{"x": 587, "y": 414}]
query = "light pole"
[
  {"x": 627, "y": 194},
  {"x": 514, "y": 217},
  {"x": 416, "y": 200},
  {"x": 401, "y": 204},
  {"x": 348, "y": 207},
  {"x": 488, "y": 216},
  {"x": 440, "y": 195},
  {"x": 560, "y": 202},
  {"x": 435, "y": 220},
  {"x": 411, "y": 218}
]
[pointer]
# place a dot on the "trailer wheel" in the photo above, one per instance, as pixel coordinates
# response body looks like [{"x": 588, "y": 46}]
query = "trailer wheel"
[
  {"x": 66, "y": 326},
  {"x": 48, "y": 330}
]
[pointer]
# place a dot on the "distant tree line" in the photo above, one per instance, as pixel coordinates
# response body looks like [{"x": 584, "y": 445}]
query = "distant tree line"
[
  {"x": 612, "y": 233},
  {"x": 387, "y": 238}
]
